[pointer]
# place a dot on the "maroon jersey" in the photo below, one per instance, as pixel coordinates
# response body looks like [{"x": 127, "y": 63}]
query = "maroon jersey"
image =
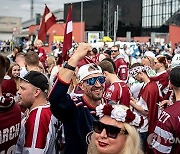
[
  {"x": 9, "y": 86},
  {"x": 121, "y": 68},
  {"x": 37, "y": 132},
  {"x": 119, "y": 93},
  {"x": 167, "y": 131},
  {"x": 42, "y": 54},
  {"x": 10, "y": 120},
  {"x": 162, "y": 80},
  {"x": 150, "y": 94}
]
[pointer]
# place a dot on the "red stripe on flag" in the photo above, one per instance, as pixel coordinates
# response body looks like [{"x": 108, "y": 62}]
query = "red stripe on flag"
[
  {"x": 67, "y": 43},
  {"x": 48, "y": 20}
]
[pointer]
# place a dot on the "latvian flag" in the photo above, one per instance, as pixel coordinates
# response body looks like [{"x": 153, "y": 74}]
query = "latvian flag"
[
  {"x": 67, "y": 43},
  {"x": 48, "y": 20}
]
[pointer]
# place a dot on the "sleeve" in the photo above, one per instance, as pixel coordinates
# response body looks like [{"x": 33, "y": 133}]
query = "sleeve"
[
  {"x": 143, "y": 104},
  {"x": 62, "y": 106},
  {"x": 161, "y": 139}
]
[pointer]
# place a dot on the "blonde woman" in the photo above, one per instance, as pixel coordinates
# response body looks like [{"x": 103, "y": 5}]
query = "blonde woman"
[{"x": 115, "y": 132}]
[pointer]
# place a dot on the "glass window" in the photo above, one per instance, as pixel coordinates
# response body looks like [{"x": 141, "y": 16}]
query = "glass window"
[{"x": 144, "y": 21}]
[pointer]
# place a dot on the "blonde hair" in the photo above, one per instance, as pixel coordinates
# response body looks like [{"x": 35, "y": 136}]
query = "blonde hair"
[
  {"x": 132, "y": 144},
  {"x": 38, "y": 43}
]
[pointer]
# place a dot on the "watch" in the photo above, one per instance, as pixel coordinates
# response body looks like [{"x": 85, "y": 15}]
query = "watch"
[{"x": 66, "y": 65}]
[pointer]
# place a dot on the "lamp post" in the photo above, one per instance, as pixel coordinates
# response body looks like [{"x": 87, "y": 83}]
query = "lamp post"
[{"x": 81, "y": 34}]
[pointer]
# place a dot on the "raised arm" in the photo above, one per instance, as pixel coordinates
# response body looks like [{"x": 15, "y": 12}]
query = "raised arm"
[
  {"x": 62, "y": 106},
  {"x": 66, "y": 74}
]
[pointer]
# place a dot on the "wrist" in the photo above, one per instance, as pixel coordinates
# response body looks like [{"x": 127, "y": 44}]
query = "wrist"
[{"x": 69, "y": 66}]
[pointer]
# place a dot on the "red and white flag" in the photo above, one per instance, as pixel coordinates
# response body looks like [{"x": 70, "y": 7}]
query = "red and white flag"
[
  {"x": 48, "y": 20},
  {"x": 67, "y": 43}
]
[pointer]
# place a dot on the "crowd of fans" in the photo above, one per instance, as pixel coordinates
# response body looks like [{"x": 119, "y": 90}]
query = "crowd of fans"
[{"x": 112, "y": 99}]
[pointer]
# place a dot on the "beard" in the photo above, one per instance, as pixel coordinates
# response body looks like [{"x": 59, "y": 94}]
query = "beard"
[{"x": 95, "y": 97}]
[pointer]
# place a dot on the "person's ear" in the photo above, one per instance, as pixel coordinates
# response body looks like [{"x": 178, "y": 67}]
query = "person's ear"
[
  {"x": 105, "y": 73},
  {"x": 37, "y": 92}
]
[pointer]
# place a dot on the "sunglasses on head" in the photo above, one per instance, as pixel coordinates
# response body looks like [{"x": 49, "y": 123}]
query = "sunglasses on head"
[
  {"x": 114, "y": 50},
  {"x": 111, "y": 131},
  {"x": 92, "y": 81}
]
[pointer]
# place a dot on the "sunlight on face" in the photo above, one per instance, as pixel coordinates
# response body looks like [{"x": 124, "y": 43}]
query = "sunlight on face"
[
  {"x": 95, "y": 91},
  {"x": 107, "y": 145}
]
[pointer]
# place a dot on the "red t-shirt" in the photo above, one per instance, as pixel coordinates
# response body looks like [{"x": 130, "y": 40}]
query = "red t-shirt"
[{"x": 119, "y": 93}]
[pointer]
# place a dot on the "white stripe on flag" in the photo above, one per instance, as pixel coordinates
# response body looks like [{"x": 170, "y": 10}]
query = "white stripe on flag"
[
  {"x": 69, "y": 27},
  {"x": 49, "y": 15}
]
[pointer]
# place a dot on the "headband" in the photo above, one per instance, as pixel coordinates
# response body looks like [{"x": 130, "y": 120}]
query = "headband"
[
  {"x": 136, "y": 70},
  {"x": 120, "y": 114}
]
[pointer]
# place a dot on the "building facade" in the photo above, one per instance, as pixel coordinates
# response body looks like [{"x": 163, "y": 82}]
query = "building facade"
[
  {"x": 156, "y": 13},
  {"x": 98, "y": 15},
  {"x": 9, "y": 26}
]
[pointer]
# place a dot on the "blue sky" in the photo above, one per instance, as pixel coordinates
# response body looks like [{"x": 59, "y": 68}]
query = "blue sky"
[{"x": 21, "y": 8}]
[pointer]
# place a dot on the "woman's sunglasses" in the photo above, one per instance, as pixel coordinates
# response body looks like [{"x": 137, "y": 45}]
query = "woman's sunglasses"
[
  {"x": 92, "y": 81},
  {"x": 111, "y": 131}
]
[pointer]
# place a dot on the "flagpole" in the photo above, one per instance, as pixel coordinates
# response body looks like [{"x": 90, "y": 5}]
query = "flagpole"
[{"x": 81, "y": 21}]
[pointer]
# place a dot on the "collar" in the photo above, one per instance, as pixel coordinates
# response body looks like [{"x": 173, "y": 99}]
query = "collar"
[{"x": 157, "y": 74}]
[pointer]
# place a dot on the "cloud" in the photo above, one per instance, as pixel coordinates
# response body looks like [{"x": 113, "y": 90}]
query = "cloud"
[
  {"x": 25, "y": 6},
  {"x": 22, "y": 8}
]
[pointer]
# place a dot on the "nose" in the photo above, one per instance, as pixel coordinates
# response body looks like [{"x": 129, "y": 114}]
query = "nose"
[
  {"x": 19, "y": 91},
  {"x": 103, "y": 133},
  {"x": 97, "y": 84}
]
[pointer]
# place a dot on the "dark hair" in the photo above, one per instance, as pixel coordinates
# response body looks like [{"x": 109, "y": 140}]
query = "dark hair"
[
  {"x": 7, "y": 61},
  {"x": 138, "y": 64},
  {"x": 163, "y": 60},
  {"x": 108, "y": 52},
  {"x": 95, "y": 51},
  {"x": 2, "y": 68},
  {"x": 174, "y": 76},
  {"x": 9, "y": 72}
]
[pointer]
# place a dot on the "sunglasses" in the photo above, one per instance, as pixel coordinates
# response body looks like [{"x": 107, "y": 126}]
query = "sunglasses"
[
  {"x": 114, "y": 50},
  {"x": 111, "y": 131},
  {"x": 92, "y": 81}
]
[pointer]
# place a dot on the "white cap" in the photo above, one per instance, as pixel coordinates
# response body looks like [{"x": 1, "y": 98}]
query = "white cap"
[
  {"x": 149, "y": 54},
  {"x": 87, "y": 70},
  {"x": 175, "y": 61}
]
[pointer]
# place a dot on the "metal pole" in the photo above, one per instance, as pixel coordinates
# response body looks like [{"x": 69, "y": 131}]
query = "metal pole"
[
  {"x": 117, "y": 18},
  {"x": 108, "y": 20},
  {"x": 32, "y": 8},
  {"x": 81, "y": 21},
  {"x": 115, "y": 23}
]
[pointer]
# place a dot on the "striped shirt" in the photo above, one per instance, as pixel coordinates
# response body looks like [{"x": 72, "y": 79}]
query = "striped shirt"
[
  {"x": 38, "y": 133},
  {"x": 166, "y": 137}
]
